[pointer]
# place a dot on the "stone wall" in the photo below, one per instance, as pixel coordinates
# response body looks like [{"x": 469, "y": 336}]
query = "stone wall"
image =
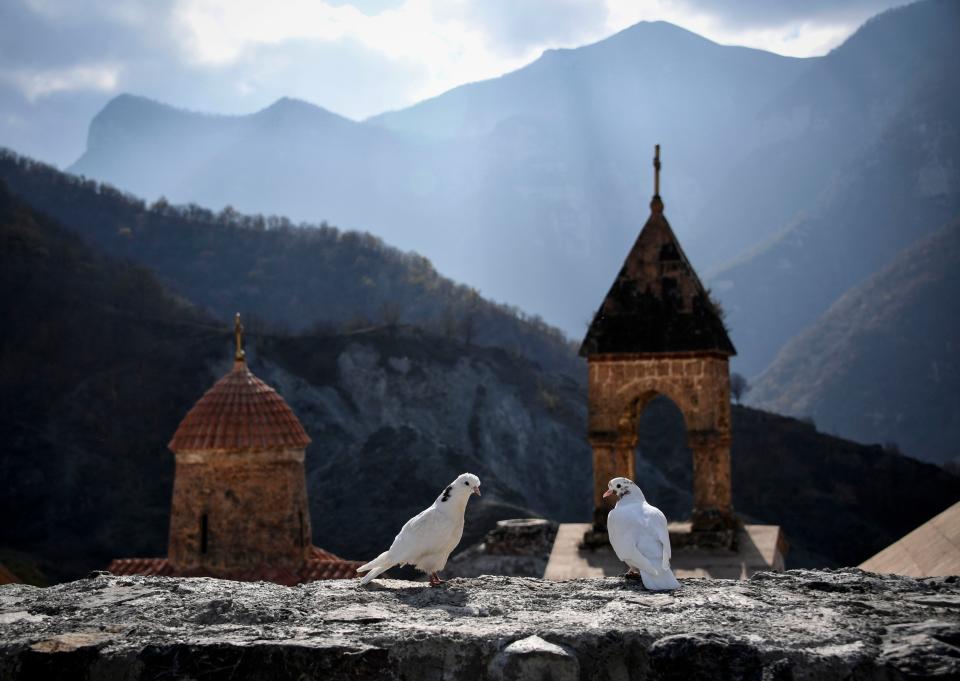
[
  {"x": 821, "y": 625},
  {"x": 517, "y": 547},
  {"x": 253, "y": 507}
]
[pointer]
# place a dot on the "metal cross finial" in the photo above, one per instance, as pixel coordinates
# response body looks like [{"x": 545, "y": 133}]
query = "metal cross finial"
[
  {"x": 238, "y": 333},
  {"x": 656, "y": 171}
]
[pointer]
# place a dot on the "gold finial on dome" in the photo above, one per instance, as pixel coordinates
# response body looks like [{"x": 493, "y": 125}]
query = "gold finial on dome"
[{"x": 238, "y": 333}]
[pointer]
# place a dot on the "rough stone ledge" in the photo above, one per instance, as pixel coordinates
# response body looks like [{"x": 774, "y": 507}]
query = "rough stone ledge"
[{"x": 842, "y": 624}]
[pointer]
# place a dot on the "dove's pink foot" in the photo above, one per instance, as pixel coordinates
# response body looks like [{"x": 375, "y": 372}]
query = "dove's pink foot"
[
  {"x": 435, "y": 579},
  {"x": 631, "y": 574}
]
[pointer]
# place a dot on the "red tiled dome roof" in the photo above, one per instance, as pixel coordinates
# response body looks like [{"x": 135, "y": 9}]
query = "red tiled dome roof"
[
  {"x": 319, "y": 570},
  {"x": 140, "y": 566},
  {"x": 239, "y": 412},
  {"x": 319, "y": 565}
]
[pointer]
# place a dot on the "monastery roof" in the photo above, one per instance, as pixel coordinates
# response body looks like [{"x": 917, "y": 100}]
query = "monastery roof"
[
  {"x": 657, "y": 303},
  {"x": 931, "y": 550},
  {"x": 240, "y": 412},
  {"x": 319, "y": 565},
  {"x": 141, "y": 566},
  {"x": 7, "y": 577}
]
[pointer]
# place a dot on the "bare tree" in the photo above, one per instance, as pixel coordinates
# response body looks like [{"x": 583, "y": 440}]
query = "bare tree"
[
  {"x": 469, "y": 316},
  {"x": 739, "y": 386}
]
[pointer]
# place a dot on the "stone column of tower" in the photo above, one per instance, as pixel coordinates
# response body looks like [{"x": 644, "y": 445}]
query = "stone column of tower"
[
  {"x": 658, "y": 333},
  {"x": 239, "y": 493}
]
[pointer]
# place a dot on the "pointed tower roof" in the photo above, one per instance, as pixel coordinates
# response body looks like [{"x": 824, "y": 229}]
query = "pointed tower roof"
[
  {"x": 239, "y": 413},
  {"x": 657, "y": 303}
]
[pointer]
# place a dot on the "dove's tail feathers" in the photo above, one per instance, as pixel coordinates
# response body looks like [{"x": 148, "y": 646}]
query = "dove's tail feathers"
[
  {"x": 665, "y": 581},
  {"x": 382, "y": 559},
  {"x": 375, "y": 572},
  {"x": 375, "y": 567}
]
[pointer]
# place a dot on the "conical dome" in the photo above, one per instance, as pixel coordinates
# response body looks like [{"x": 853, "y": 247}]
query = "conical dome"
[
  {"x": 241, "y": 413},
  {"x": 657, "y": 303}
]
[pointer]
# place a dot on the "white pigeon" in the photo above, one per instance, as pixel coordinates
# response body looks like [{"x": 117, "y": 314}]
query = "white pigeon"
[
  {"x": 429, "y": 537},
  {"x": 638, "y": 534}
]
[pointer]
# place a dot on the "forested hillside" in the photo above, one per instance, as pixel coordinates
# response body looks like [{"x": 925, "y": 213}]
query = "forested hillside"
[
  {"x": 290, "y": 276},
  {"x": 98, "y": 365}
]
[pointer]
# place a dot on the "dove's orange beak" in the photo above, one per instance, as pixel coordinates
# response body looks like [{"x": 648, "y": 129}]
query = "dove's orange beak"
[
  {"x": 476, "y": 490},
  {"x": 607, "y": 493}
]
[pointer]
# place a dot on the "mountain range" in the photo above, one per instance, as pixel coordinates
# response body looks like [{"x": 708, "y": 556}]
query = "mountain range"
[{"x": 787, "y": 180}]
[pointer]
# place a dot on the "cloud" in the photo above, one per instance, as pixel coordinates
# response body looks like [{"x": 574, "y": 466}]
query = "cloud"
[
  {"x": 750, "y": 15},
  {"x": 356, "y": 57},
  {"x": 37, "y": 83},
  {"x": 443, "y": 48},
  {"x": 516, "y": 27},
  {"x": 787, "y": 27},
  {"x": 368, "y": 7}
]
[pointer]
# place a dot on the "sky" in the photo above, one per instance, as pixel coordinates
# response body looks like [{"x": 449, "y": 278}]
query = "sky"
[{"x": 62, "y": 60}]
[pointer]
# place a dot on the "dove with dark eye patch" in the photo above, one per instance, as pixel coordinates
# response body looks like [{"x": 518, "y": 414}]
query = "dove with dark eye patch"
[{"x": 427, "y": 539}]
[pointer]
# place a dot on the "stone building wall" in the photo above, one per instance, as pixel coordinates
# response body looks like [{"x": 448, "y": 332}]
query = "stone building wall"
[
  {"x": 255, "y": 509},
  {"x": 621, "y": 386}
]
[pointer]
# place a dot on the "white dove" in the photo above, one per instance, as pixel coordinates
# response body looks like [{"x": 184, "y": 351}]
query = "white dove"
[
  {"x": 428, "y": 538},
  {"x": 638, "y": 534}
]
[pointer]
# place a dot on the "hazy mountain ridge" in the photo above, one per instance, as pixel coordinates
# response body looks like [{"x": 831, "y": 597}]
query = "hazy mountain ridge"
[
  {"x": 532, "y": 186},
  {"x": 552, "y": 178},
  {"x": 888, "y": 176},
  {"x": 295, "y": 277},
  {"x": 882, "y": 363},
  {"x": 646, "y": 56}
]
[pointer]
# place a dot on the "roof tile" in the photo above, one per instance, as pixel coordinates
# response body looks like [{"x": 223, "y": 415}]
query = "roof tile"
[{"x": 240, "y": 412}]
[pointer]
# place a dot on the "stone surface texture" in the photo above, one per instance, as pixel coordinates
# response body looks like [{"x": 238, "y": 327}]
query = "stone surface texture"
[
  {"x": 931, "y": 549},
  {"x": 844, "y": 624},
  {"x": 516, "y": 547}
]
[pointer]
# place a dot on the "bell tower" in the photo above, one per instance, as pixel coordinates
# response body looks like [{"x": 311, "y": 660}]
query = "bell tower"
[{"x": 657, "y": 332}]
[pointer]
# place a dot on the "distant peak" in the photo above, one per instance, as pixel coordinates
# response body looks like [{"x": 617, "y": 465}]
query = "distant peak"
[
  {"x": 291, "y": 103},
  {"x": 290, "y": 106},
  {"x": 125, "y": 100}
]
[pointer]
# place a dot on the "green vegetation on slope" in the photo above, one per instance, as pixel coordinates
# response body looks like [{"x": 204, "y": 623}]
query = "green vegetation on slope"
[
  {"x": 293, "y": 277},
  {"x": 95, "y": 361}
]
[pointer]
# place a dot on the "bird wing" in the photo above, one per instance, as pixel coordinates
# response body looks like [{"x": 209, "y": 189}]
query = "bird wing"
[
  {"x": 658, "y": 523},
  {"x": 426, "y": 532},
  {"x": 635, "y": 537},
  {"x": 627, "y": 531}
]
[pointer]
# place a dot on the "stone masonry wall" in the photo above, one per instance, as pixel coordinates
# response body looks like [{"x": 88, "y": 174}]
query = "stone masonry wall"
[
  {"x": 255, "y": 505},
  {"x": 799, "y": 625},
  {"x": 621, "y": 386}
]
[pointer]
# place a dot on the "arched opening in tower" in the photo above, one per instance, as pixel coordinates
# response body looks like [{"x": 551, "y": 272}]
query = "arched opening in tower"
[{"x": 664, "y": 462}]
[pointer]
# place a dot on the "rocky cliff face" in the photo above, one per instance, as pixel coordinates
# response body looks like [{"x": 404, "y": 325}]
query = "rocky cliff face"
[
  {"x": 798, "y": 625},
  {"x": 395, "y": 416}
]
